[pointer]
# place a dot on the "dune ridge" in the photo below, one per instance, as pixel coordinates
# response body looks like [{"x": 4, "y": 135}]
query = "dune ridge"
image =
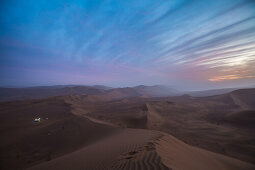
[{"x": 121, "y": 150}]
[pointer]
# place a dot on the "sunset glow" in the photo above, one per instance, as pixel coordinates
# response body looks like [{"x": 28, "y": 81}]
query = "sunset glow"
[{"x": 227, "y": 77}]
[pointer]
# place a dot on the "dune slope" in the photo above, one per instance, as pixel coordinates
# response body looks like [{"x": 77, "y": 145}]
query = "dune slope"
[
  {"x": 179, "y": 156},
  {"x": 139, "y": 149},
  {"x": 25, "y": 143},
  {"x": 129, "y": 149}
]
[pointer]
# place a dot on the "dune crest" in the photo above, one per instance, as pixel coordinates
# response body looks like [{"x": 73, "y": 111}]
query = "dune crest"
[{"x": 129, "y": 149}]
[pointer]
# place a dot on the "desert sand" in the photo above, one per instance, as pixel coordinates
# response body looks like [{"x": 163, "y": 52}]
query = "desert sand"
[
  {"x": 115, "y": 130},
  {"x": 147, "y": 150},
  {"x": 178, "y": 155}
]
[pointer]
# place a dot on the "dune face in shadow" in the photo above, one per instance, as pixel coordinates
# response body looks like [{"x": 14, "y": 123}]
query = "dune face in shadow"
[
  {"x": 123, "y": 129},
  {"x": 244, "y": 118},
  {"x": 25, "y": 143}
]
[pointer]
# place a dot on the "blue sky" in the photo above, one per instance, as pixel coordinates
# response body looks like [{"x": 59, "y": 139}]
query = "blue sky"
[{"x": 182, "y": 43}]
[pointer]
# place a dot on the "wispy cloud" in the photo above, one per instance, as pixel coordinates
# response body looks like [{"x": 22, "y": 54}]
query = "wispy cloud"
[{"x": 161, "y": 41}]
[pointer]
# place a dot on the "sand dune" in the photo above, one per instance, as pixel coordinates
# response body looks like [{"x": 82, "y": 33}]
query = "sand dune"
[
  {"x": 115, "y": 131},
  {"x": 25, "y": 143},
  {"x": 143, "y": 149},
  {"x": 153, "y": 117},
  {"x": 242, "y": 118},
  {"x": 157, "y": 91},
  {"x": 128, "y": 149},
  {"x": 215, "y": 123},
  {"x": 246, "y": 96},
  {"x": 211, "y": 92},
  {"x": 179, "y": 156}
]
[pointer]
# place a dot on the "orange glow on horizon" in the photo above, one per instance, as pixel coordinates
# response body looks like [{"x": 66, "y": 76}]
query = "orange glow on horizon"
[{"x": 226, "y": 77}]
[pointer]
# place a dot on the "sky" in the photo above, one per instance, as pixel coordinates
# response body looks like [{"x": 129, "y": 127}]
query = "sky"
[{"x": 186, "y": 44}]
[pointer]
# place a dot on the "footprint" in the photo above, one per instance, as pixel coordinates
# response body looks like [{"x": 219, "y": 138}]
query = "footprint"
[{"x": 132, "y": 153}]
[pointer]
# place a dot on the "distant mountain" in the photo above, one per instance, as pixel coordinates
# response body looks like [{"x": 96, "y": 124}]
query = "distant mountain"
[
  {"x": 142, "y": 91},
  {"x": 7, "y": 94},
  {"x": 101, "y": 87},
  {"x": 118, "y": 93},
  {"x": 210, "y": 92},
  {"x": 157, "y": 91}
]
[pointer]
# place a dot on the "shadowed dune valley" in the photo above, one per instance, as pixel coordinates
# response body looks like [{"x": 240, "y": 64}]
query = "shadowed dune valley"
[{"x": 127, "y": 85}]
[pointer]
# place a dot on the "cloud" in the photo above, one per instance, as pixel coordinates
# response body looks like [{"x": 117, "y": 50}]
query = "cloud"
[{"x": 150, "y": 41}]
